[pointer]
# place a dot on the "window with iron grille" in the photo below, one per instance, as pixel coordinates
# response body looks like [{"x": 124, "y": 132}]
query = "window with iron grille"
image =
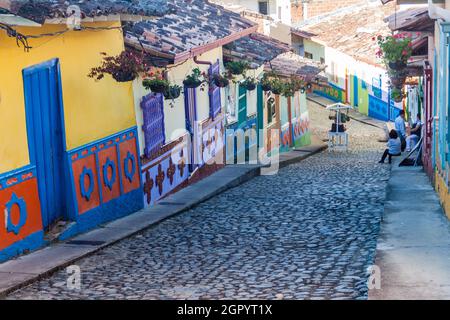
[
  {"x": 153, "y": 113},
  {"x": 215, "y": 101}
]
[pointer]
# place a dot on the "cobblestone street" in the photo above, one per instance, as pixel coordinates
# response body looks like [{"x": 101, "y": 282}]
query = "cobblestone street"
[{"x": 309, "y": 232}]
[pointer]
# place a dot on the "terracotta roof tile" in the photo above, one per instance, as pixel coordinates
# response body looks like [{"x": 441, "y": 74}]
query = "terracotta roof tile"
[
  {"x": 352, "y": 32},
  {"x": 40, "y": 10},
  {"x": 193, "y": 23},
  {"x": 292, "y": 65},
  {"x": 255, "y": 48}
]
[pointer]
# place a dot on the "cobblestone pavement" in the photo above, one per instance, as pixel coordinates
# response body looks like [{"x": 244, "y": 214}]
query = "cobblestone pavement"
[{"x": 309, "y": 232}]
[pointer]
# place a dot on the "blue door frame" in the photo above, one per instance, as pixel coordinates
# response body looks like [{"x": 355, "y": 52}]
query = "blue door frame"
[{"x": 46, "y": 139}]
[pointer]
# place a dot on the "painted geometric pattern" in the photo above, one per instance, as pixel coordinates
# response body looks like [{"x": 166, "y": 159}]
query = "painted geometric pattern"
[
  {"x": 165, "y": 173},
  {"x": 213, "y": 137},
  {"x": 20, "y": 210},
  {"x": 105, "y": 170}
]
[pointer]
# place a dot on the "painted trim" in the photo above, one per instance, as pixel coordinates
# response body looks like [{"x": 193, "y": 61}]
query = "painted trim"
[{"x": 30, "y": 243}]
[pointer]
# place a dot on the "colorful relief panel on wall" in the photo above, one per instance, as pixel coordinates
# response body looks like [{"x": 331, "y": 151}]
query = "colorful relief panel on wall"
[
  {"x": 300, "y": 128},
  {"x": 210, "y": 147},
  {"x": 167, "y": 170},
  {"x": 330, "y": 91},
  {"x": 104, "y": 171},
  {"x": 21, "y": 220}
]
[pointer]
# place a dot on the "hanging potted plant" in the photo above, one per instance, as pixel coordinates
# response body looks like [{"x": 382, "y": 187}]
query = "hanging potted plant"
[
  {"x": 172, "y": 92},
  {"x": 397, "y": 95},
  {"x": 395, "y": 50},
  {"x": 123, "y": 68},
  {"x": 277, "y": 86},
  {"x": 155, "y": 82},
  {"x": 249, "y": 83},
  {"x": 220, "y": 80},
  {"x": 195, "y": 79},
  {"x": 266, "y": 83},
  {"x": 237, "y": 67},
  {"x": 288, "y": 89}
]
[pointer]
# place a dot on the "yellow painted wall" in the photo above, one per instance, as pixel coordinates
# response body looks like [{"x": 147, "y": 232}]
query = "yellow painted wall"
[
  {"x": 442, "y": 190},
  {"x": 174, "y": 112},
  {"x": 92, "y": 110}
]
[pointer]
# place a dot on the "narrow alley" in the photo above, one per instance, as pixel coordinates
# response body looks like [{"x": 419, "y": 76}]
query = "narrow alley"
[{"x": 309, "y": 232}]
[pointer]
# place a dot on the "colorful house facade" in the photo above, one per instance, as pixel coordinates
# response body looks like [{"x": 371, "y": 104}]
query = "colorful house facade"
[
  {"x": 68, "y": 145},
  {"x": 183, "y": 140},
  {"x": 355, "y": 75},
  {"x": 281, "y": 122}
]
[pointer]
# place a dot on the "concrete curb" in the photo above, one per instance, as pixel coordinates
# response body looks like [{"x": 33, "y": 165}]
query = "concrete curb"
[{"x": 24, "y": 270}]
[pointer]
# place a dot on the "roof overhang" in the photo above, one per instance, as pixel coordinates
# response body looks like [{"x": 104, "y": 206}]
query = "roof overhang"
[{"x": 16, "y": 21}]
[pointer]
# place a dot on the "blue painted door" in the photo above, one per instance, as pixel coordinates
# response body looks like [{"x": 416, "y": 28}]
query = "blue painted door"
[
  {"x": 43, "y": 103},
  {"x": 355, "y": 91}
]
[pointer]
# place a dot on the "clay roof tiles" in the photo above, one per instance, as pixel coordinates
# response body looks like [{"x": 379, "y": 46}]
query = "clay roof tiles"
[
  {"x": 255, "y": 48},
  {"x": 193, "y": 24},
  {"x": 42, "y": 10}
]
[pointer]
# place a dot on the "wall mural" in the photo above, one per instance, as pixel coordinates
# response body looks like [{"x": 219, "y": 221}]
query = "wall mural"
[
  {"x": 20, "y": 213},
  {"x": 104, "y": 170}
]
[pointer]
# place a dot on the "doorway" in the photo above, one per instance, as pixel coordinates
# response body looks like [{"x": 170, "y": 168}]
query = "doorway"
[{"x": 45, "y": 129}]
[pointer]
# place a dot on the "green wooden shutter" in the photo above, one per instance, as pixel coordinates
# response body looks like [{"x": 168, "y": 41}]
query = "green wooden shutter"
[
  {"x": 260, "y": 111},
  {"x": 242, "y": 106}
]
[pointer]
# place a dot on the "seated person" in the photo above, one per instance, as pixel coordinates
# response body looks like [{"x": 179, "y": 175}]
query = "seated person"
[
  {"x": 394, "y": 147},
  {"x": 416, "y": 133}
]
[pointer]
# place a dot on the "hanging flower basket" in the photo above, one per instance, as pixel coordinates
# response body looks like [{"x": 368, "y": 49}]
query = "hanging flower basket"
[
  {"x": 288, "y": 90},
  {"x": 249, "y": 84},
  {"x": 277, "y": 86},
  {"x": 195, "y": 79},
  {"x": 395, "y": 50},
  {"x": 220, "y": 81},
  {"x": 173, "y": 92},
  {"x": 124, "y": 67},
  {"x": 237, "y": 67},
  {"x": 156, "y": 85},
  {"x": 266, "y": 83},
  {"x": 397, "y": 65}
]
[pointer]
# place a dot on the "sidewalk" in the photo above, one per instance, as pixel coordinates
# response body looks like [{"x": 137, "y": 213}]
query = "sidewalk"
[
  {"x": 413, "y": 251},
  {"x": 355, "y": 115},
  {"x": 26, "y": 269}
]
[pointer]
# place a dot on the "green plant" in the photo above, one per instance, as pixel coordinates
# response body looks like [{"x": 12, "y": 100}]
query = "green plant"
[
  {"x": 123, "y": 68},
  {"x": 220, "y": 80},
  {"x": 172, "y": 92},
  {"x": 237, "y": 67},
  {"x": 395, "y": 50},
  {"x": 195, "y": 79},
  {"x": 397, "y": 94},
  {"x": 277, "y": 86},
  {"x": 249, "y": 83},
  {"x": 156, "y": 85},
  {"x": 288, "y": 89},
  {"x": 266, "y": 82}
]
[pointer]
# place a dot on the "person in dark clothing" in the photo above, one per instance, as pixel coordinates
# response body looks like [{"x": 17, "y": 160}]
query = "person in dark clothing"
[
  {"x": 416, "y": 133},
  {"x": 394, "y": 147}
]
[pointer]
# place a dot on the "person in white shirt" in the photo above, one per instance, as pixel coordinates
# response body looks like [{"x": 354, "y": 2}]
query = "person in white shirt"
[
  {"x": 416, "y": 133},
  {"x": 394, "y": 147},
  {"x": 400, "y": 127}
]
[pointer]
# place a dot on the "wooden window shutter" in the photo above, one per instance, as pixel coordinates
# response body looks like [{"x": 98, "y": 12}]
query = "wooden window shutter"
[
  {"x": 154, "y": 132},
  {"x": 215, "y": 102}
]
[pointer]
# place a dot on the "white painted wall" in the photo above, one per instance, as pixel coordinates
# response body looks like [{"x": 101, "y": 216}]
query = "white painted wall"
[{"x": 174, "y": 113}]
